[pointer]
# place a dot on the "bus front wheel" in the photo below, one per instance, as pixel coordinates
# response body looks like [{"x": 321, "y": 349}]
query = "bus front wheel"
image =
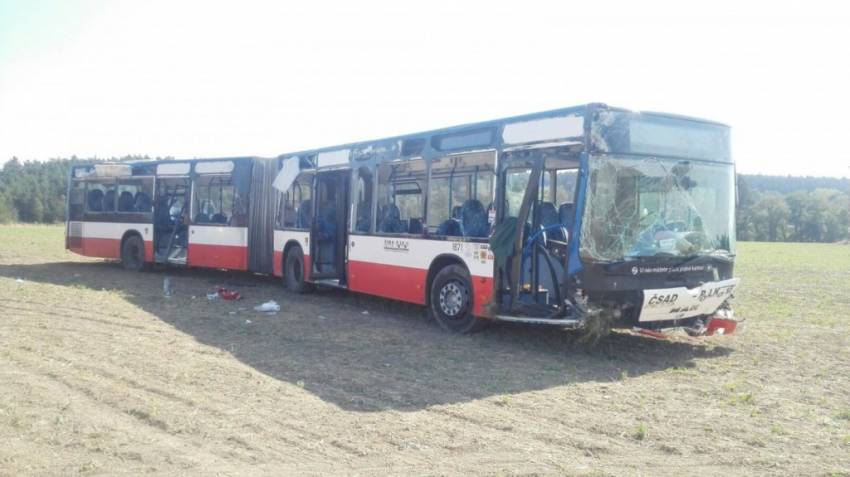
[
  {"x": 133, "y": 253},
  {"x": 451, "y": 301},
  {"x": 293, "y": 271}
]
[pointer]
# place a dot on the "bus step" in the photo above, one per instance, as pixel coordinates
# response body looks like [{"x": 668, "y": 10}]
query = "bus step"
[
  {"x": 177, "y": 260},
  {"x": 176, "y": 257},
  {"x": 330, "y": 282},
  {"x": 565, "y": 322}
]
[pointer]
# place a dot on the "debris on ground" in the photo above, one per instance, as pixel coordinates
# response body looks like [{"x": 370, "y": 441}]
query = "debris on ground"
[
  {"x": 212, "y": 296},
  {"x": 19, "y": 280},
  {"x": 364, "y": 312},
  {"x": 269, "y": 306},
  {"x": 226, "y": 294}
]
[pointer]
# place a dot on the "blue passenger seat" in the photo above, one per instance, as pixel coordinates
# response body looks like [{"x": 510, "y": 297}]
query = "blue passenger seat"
[
  {"x": 566, "y": 214},
  {"x": 549, "y": 217},
  {"x": 474, "y": 219}
]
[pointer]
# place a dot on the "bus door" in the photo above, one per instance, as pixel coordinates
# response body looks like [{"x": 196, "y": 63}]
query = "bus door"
[
  {"x": 171, "y": 209},
  {"x": 537, "y": 211},
  {"x": 328, "y": 232}
]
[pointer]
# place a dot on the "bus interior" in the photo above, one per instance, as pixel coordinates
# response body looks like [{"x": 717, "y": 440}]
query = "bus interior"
[
  {"x": 171, "y": 224},
  {"x": 538, "y": 191}
]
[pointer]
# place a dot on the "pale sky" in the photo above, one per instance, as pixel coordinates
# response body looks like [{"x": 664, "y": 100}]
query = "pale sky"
[{"x": 211, "y": 79}]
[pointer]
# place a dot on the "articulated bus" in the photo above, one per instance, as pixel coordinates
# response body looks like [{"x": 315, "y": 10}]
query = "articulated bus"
[{"x": 572, "y": 217}]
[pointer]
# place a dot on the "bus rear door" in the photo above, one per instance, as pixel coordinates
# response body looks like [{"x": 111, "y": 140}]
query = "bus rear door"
[{"x": 328, "y": 233}]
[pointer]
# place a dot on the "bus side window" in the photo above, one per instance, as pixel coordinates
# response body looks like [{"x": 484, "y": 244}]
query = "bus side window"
[
  {"x": 213, "y": 202},
  {"x": 296, "y": 204},
  {"x": 363, "y": 223},
  {"x": 516, "y": 181},
  {"x": 134, "y": 195},
  {"x": 100, "y": 196},
  {"x": 401, "y": 201},
  {"x": 566, "y": 187},
  {"x": 460, "y": 201},
  {"x": 565, "y": 195},
  {"x": 281, "y": 216}
]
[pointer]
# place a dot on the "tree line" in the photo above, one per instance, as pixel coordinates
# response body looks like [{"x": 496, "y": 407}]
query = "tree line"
[
  {"x": 770, "y": 208},
  {"x": 34, "y": 191},
  {"x": 793, "y": 209}
]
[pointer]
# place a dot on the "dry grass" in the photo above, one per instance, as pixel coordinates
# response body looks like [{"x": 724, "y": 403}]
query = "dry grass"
[{"x": 101, "y": 374}]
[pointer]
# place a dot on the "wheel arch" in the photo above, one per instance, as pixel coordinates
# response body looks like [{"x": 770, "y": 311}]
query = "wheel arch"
[
  {"x": 440, "y": 262},
  {"x": 130, "y": 233},
  {"x": 289, "y": 245}
]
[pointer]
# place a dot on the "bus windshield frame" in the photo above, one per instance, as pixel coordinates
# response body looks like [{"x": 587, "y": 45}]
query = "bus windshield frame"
[{"x": 658, "y": 186}]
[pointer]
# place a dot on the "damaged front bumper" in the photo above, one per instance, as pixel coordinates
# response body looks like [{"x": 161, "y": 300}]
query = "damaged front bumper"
[{"x": 723, "y": 322}]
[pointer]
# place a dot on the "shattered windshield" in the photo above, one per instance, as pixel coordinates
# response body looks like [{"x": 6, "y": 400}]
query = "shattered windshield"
[{"x": 654, "y": 207}]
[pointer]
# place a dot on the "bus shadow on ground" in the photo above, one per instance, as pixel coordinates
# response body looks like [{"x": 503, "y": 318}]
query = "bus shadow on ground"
[{"x": 368, "y": 354}]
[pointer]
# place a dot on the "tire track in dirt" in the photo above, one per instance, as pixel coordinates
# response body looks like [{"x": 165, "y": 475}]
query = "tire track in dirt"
[
  {"x": 158, "y": 447},
  {"x": 258, "y": 426},
  {"x": 86, "y": 311},
  {"x": 79, "y": 364},
  {"x": 43, "y": 327},
  {"x": 162, "y": 428},
  {"x": 451, "y": 419},
  {"x": 41, "y": 312}
]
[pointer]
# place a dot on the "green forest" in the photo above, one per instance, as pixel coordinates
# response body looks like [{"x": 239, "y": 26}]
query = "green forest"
[{"x": 770, "y": 208}]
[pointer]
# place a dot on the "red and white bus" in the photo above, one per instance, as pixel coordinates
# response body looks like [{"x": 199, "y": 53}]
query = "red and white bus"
[{"x": 561, "y": 217}]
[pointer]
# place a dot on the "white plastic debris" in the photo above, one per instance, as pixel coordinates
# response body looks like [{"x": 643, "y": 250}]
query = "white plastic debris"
[
  {"x": 19, "y": 280},
  {"x": 212, "y": 296},
  {"x": 268, "y": 306},
  {"x": 364, "y": 312},
  {"x": 247, "y": 322}
]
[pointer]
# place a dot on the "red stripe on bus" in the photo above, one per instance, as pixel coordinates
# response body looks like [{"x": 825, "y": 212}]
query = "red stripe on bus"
[
  {"x": 388, "y": 281},
  {"x": 482, "y": 290},
  {"x": 148, "y": 251},
  {"x": 408, "y": 284},
  {"x": 101, "y": 247},
  {"x": 218, "y": 256},
  {"x": 75, "y": 243},
  {"x": 277, "y": 264}
]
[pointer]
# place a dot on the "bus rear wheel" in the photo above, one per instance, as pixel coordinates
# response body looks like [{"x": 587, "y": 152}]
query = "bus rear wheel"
[
  {"x": 293, "y": 272},
  {"x": 133, "y": 253},
  {"x": 451, "y": 301}
]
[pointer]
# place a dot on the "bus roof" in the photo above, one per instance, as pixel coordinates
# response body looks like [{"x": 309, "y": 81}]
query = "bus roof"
[{"x": 577, "y": 111}]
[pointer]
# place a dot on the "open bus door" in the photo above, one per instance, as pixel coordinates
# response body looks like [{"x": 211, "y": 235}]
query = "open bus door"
[
  {"x": 533, "y": 235},
  {"x": 171, "y": 209},
  {"x": 329, "y": 227}
]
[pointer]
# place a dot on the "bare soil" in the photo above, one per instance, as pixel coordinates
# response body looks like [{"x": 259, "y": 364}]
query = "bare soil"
[{"x": 102, "y": 374}]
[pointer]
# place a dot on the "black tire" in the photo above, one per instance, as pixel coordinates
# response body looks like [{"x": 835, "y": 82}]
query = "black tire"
[
  {"x": 293, "y": 272},
  {"x": 133, "y": 253},
  {"x": 451, "y": 301}
]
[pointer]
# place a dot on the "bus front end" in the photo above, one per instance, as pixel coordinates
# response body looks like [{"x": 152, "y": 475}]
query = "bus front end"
[
  {"x": 630, "y": 225},
  {"x": 656, "y": 231}
]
